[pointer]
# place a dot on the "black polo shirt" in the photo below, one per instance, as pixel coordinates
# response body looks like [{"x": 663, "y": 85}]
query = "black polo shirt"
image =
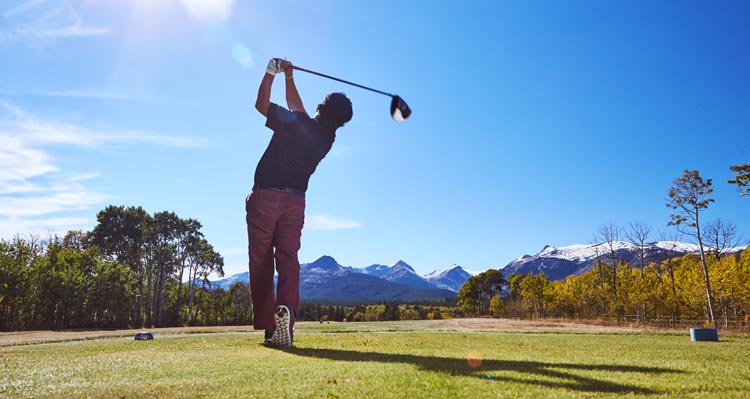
[{"x": 297, "y": 146}]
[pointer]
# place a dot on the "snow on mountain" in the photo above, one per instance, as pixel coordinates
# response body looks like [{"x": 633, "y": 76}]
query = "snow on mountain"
[
  {"x": 472, "y": 272},
  {"x": 324, "y": 279},
  {"x": 582, "y": 253},
  {"x": 375, "y": 270},
  {"x": 225, "y": 283},
  {"x": 400, "y": 273},
  {"x": 322, "y": 269},
  {"x": 558, "y": 263},
  {"x": 450, "y": 278},
  {"x": 679, "y": 246}
]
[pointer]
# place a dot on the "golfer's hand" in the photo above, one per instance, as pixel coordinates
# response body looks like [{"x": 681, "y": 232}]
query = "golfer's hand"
[
  {"x": 286, "y": 66},
  {"x": 274, "y": 66}
]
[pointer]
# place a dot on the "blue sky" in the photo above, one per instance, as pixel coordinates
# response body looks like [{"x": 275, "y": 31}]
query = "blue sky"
[{"x": 534, "y": 122}]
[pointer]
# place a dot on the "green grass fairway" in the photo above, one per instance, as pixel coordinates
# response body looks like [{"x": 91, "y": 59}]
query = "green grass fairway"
[{"x": 384, "y": 360}]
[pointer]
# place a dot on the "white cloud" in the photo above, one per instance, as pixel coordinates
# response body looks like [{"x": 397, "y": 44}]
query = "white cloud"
[
  {"x": 38, "y": 24},
  {"x": 94, "y": 94},
  {"x": 209, "y": 10},
  {"x": 87, "y": 94},
  {"x": 233, "y": 251},
  {"x": 325, "y": 222},
  {"x": 27, "y": 128},
  {"x": 50, "y": 201},
  {"x": 36, "y": 194},
  {"x": 42, "y": 228},
  {"x": 76, "y": 29},
  {"x": 21, "y": 8}
]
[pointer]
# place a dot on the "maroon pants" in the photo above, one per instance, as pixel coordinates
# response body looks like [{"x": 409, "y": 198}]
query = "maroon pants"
[{"x": 274, "y": 227}]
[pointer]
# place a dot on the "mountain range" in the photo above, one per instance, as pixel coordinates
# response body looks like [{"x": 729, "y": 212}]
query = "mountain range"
[
  {"x": 326, "y": 280},
  {"x": 559, "y": 263}
]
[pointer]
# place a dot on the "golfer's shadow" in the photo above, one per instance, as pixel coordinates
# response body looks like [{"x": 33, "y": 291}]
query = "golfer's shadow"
[{"x": 553, "y": 375}]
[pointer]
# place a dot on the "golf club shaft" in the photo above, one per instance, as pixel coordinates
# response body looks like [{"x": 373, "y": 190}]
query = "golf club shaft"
[{"x": 342, "y": 81}]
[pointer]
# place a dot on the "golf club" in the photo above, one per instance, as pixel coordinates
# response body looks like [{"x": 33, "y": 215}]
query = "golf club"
[{"x": 400, "y": 111}]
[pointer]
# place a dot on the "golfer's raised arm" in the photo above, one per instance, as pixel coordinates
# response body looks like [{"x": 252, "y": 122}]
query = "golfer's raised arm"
[
  {"x": 293, "y": 100},
  {"x": 264, "y": 95},
  {"x": 264, "y": 91}
]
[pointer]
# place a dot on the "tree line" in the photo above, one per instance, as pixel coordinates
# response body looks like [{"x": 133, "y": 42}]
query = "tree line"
[
  {"x": 137, "y": 270},
  {"x": 132, "y": 270},
  {"x": 384, "y": 311},
  {"x": 670, "y": 293}
]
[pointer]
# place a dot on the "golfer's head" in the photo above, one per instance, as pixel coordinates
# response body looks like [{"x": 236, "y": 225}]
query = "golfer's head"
[{"x": 336, "y": 109}]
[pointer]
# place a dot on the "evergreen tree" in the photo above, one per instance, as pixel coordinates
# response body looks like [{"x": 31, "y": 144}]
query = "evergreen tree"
[
  {"x": 689, "y": 196},
  {"x": 742, "y": 180}
]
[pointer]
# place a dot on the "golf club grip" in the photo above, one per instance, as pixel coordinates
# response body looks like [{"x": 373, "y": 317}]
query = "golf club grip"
[{"x": 341, "y": 80}]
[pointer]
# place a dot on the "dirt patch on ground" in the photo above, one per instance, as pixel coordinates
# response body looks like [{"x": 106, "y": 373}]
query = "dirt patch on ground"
[
  {"x": 31, "y": 337},
  {"x": 483, "y": 324},
  {"x": 476, "y": 324}
]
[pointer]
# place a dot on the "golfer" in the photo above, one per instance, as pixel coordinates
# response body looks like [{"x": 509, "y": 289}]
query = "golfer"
[{"x": 275, "y": 210}]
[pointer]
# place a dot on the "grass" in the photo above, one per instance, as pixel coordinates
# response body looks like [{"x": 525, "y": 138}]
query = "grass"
[{"x": 383, "y": 360}]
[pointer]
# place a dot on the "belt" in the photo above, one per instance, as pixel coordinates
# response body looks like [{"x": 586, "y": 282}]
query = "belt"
[{"x": 289, "y": 190}]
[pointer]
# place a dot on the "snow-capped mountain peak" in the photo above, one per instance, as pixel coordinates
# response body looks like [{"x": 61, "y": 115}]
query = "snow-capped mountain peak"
[
  {"x": 400, "y": 273},
  {"x": 451, "y": 278},
  {"x": 325, "y": 268},
  {"x": 402, "y": 264},
  {"x": 441, "y": 272},
  {"x": 325, "y": 262}
]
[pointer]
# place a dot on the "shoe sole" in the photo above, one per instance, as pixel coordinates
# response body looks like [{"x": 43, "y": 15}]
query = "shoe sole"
[{"x": 282, "y": 338}]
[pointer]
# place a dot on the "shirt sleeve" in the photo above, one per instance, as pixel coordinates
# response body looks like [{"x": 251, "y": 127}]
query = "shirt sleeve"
[{"x": 279, "y": 119}]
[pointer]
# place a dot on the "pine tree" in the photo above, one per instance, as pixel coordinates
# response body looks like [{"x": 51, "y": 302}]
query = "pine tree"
[
  {"x": 742, "y": 180},
  {"x": 689, "y": 196}
]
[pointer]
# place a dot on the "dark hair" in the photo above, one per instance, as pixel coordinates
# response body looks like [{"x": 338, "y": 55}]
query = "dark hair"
[{"x": 336, "y": 109}]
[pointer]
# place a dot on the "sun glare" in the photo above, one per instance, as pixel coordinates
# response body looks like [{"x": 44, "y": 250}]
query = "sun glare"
[
  {"x": 152, "y": 7},
  {"x": 208, "y": 10},
  {"x": 199, "y": 10}
]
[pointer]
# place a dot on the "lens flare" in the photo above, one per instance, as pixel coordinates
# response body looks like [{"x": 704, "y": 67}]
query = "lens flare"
[
  {"x": 242, "y": 55},
  {"x": 474, "y": 359}
]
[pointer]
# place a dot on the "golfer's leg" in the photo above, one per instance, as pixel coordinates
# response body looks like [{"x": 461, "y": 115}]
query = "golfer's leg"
[
  {"x": 287, "y": 238},
  {"x": 260, "y": 225}
]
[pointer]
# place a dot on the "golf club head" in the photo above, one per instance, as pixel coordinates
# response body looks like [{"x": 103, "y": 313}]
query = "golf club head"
[{"x": 400, "y": 110}]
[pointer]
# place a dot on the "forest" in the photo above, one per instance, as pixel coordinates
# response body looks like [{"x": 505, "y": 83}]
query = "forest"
[{"x": 668, "y": 294}]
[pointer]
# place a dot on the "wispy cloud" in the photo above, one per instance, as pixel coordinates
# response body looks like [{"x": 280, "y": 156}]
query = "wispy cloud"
[
  {"x": 76, "y": 29},
  {"x": 36, "y": 193},
  {"x": 12, "y": 227},
  {"x": 326, "y": 222},
  {"x": 21, "y": 8},
  {"x": 86, "y": 94},
  {"x": 28, "y": 130},
  {"x": 50, "y": 200},
  {"x": 233, "y": 251},
  {"x": 38, "y": 24}
]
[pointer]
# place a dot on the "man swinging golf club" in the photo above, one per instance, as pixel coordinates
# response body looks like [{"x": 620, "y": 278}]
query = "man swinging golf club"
[{"x": 275, "y": 210}]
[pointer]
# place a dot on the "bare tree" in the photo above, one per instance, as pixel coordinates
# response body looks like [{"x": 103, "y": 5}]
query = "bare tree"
[
  {"x": 596, "y": 244},
  {"x": 609, "y": 235},
  {"x": 669, "y": 243},
  {"x": 638, "y": 235},
  {"x": 721, "y": 237},
  {"x": 689, "y": 195}
]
